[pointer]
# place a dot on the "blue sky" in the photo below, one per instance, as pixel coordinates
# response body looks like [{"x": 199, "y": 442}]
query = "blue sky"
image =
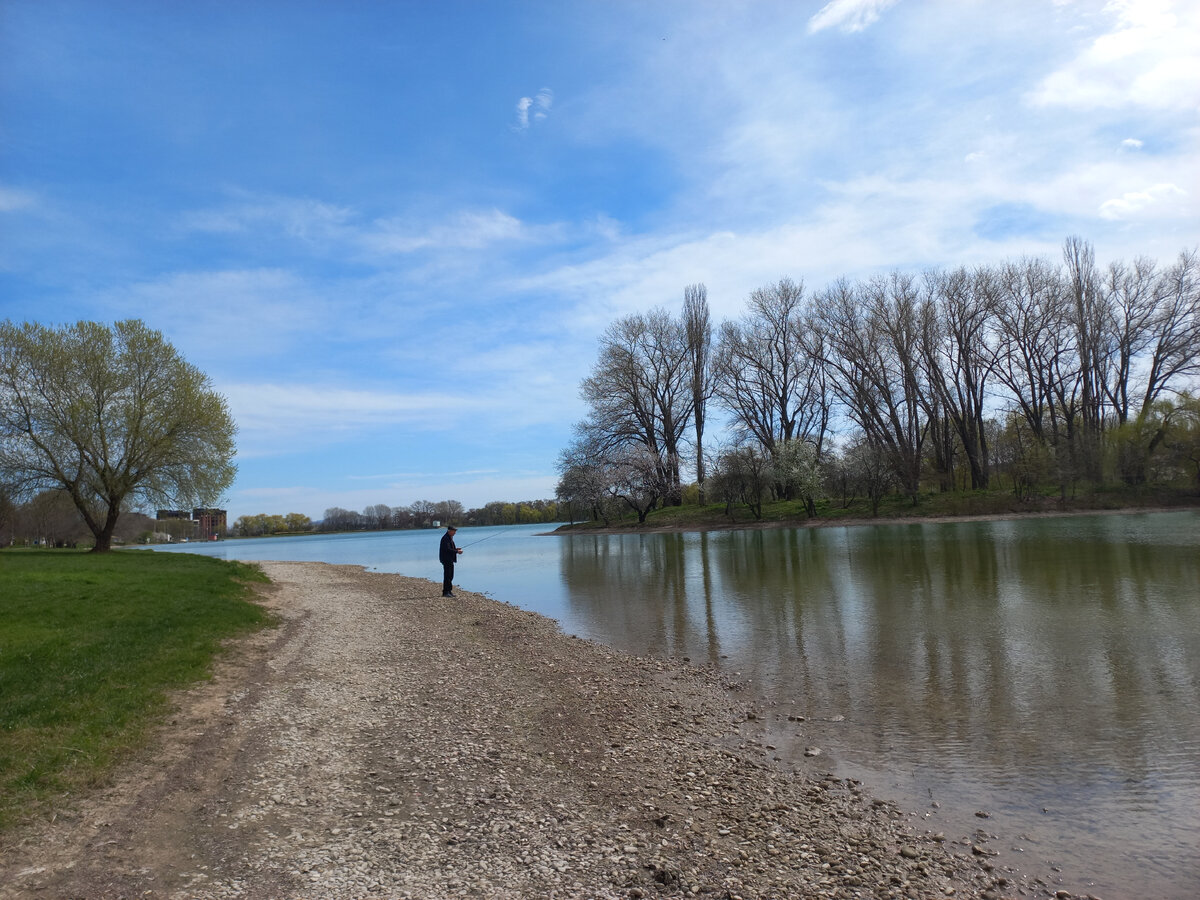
[{"x": 392, "y": 232}]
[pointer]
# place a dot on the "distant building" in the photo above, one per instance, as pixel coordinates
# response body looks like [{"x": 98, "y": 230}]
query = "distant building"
[
  {"x": 207, "y": 524},
  {"x": 211, "y": 523}
]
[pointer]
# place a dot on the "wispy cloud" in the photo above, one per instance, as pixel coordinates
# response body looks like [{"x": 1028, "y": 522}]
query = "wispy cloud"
[
  {"x": 279, "y": 418},
  {"x": 297, "y": 217},
  {"x": 1146, "y": 58},
  {"x": 1132, "y": 203},
  {"x": 234, "y": 314},
  {"x": 391, "y": 476},
  {"x": 471, "y": 490},
  {"x": 465, "y": 231},
  {"x": 534, "y": 109},
  {"x": 13, "y": 199},
  {"x": 848, "y": 15}
]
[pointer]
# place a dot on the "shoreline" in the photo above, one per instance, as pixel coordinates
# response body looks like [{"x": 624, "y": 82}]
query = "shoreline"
[
  {"x": 761, "y": 524},
  {"x": 385, "y": 742}
]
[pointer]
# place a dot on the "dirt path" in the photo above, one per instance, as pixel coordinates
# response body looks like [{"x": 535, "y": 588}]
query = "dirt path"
[{"x": 385, "y": 742}]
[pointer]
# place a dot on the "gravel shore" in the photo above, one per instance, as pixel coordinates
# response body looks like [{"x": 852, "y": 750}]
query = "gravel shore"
[{"x": 384, "y": 742}]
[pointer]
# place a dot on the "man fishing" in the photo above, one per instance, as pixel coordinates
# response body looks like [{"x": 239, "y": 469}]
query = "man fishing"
[{"x": 448, "y": 553}]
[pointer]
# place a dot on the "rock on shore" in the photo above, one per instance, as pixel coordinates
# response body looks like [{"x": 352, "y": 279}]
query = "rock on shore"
[{"x": 385, "y": 742}]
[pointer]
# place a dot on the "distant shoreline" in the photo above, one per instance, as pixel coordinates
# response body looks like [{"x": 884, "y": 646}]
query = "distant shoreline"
[{"x": 763, "y": 524}]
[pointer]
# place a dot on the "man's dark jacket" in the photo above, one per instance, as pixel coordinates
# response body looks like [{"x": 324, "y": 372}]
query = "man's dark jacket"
[{"x": 447, "y": 552}]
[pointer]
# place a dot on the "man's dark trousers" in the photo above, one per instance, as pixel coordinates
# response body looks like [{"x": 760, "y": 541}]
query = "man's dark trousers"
[{"x": 447, "y": 578}]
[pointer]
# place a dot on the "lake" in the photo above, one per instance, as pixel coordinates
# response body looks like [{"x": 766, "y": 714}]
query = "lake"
[{"x": 1042, "y": 672}]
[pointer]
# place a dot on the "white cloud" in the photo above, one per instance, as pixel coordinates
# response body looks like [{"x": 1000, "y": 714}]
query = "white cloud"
[
  {"x": 523, "y": 112},
  {"x": 1131, "y": 144},
  {"x": 1131, "y": 203},
  {"x": 466, "y": 231},
  {"x": 12, "y": 199},
  {"x": 230, "y": 313},
  {"x": 1147, "y": 58},
  {"x": 540, "y": 104},
  {"x": 297, "y": 217},
  {"x": 848, "y": 15},
  {"x": 283, "y": 418}
]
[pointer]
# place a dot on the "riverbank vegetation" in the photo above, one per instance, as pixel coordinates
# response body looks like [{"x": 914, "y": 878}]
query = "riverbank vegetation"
[
  {"x": 90, "y": 646},
  {"x": 1002, "y": 388},
  {"x": 381, "y": 517}
]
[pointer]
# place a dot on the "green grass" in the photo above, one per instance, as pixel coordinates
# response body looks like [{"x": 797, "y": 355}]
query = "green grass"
[{"x": 90, "y": 646}]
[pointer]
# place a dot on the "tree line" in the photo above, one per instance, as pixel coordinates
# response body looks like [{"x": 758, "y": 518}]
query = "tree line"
[
  {"x": 420, "y": 514},
  {"x": 1042, "y": 373},
  {"x": 51, "y": 519}
]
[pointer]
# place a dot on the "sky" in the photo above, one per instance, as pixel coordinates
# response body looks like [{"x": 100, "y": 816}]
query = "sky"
[{"x": 392, "y": 233}]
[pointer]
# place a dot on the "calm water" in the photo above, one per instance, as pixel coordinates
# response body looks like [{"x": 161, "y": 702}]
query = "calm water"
[{"x": 1044, "y": 671}]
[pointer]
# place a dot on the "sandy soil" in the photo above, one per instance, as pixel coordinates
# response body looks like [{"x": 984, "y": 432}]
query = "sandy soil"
[{"x": 384, "y": 742}]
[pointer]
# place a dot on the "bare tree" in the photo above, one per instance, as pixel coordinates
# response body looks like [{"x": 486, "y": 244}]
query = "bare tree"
[
  {"x": 1130, "y": 295},
  {"x": 639, "y": 392},
  {"x": 744, "y": 474},
  {"x": 1175, "y": 352},
  {"x": 872, "y": 336},
  {"x": 609, "y": 475},
  {"x": 1088, "y": 321},
  {"x": 955, "y": 319},
  {"x": 423, "y": 512},
  {"x": 1036, "y": 358},
  {"x": 871, "y": 469},
  {"x": 448, "y": 511},
  {"x": 378, "y": 516},
  {"x": 767, "y": 374},
  {"x": 697, "y": 326}
]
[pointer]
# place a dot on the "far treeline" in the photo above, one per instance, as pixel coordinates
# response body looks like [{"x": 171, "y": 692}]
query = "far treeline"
[
  {"x": 381, "y": 517},
  {"x": 1035, "y": 377}
]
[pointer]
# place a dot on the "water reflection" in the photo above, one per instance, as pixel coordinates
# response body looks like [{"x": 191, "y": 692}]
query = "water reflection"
[{"x": 1046, "y": 669}]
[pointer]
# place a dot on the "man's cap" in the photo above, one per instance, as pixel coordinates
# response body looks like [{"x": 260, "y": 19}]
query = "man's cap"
[{"x": 452, "y": 528}]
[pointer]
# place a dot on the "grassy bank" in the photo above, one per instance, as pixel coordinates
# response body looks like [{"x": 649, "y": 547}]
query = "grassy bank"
[
  {"x": 936, "y": 505},
  {"x": 90, "y": 646}
]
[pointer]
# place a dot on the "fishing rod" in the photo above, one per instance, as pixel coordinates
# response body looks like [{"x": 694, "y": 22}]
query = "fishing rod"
[
  {"x": 503, "y": 529},
  {"x": 488, "y": 538}
]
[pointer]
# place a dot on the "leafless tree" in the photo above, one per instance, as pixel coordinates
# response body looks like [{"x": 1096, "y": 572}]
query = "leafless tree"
[
  {"x": 1089, "y": 324},
  {"x": 1036, "y": 357},
  {"x": 639, "y": 392},
  {"x": 610, "y": 475},
  {"x": 872, "y": 338},
  {"x": 744, "y": 474},
  {"x": 956, "y": 316},
  {"x": 697, "y": 326},
  {"x": 378, "y": 517},
  {"x": 423, "y": 512},
  {"x": 1175, "y": 352},
  {"x": 870, "y": 468},
  {"x": 1130, "y": 300},
  {"x": 767, "y": 374},
  {"x": 448, "y": 511}
]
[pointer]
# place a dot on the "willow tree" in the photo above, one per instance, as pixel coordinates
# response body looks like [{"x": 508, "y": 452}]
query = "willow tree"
[{"x": 112, "y": 416}]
